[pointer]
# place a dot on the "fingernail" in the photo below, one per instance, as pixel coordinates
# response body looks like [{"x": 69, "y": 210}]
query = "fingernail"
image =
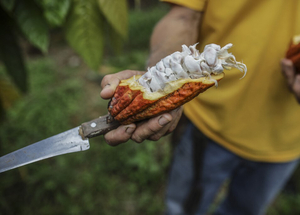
[
  {"x": 129, "y": 130},
  {"x": 163, "y": 121},
  {"x": 106, "y": 86}
]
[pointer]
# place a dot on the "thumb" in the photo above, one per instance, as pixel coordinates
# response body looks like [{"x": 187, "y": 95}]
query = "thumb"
[{"x": 108, "y": 90}]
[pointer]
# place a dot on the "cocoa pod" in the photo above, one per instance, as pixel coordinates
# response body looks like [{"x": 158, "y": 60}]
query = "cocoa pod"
[
  {"x": 175, "y": 80},
  {"x": 292, "y": 51},
  {"x": 171, "y": 101},
  {"x": 122, "y": 97}
]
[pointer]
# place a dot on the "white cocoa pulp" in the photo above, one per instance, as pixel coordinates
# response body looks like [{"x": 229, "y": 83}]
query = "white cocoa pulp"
[{"x": 190, "y": 63}]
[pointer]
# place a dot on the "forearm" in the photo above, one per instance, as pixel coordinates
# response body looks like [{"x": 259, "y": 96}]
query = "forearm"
[{"x": 180, "y": 26}]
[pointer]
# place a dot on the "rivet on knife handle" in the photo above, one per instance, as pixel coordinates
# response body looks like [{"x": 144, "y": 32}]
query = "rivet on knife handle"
[{"x": 98, "y": 126}]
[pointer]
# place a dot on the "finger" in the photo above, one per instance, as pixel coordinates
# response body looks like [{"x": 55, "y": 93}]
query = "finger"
[
  {"x": 176, "y": 115},
  {"x": 110, "y": 82},
  {"x": 120, "y": 135},
  {"x": 150, "y": 127},
  {"x": 296, "y": 61},
  {"x": 113, "y": 78},
  {"x": 296, "y": 87},
  {"x": 164, "y": 130},
  {"x": 288, "y": 71}
]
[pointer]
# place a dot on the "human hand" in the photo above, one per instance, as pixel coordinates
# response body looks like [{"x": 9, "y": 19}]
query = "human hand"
[
  {"x": 293, "y": 78},
  {"x": 152, "y": 129}
]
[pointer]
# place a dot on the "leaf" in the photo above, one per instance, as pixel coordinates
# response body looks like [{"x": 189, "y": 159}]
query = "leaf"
[
  {"x": 2, "y": 111},
  {"x": 84, "y": 31},
  {"x": 8, "y": 5},
  {"x": 10, "y": 52},
  {"x": 32, "y": 23},
  {"x": 116, "y": 40},
  {"x": 8, "y": 93},
  {"x": 116, "y": 12},
  {"x": 55, "y": 11}
]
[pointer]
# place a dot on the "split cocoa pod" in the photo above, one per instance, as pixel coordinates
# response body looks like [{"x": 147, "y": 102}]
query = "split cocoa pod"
[
  {"x": 293, "y": 53},
  {"x": 173, "y": 81}
]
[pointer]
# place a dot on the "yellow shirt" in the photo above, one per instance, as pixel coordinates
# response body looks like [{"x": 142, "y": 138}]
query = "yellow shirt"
[{"x": 256, "y": 117}]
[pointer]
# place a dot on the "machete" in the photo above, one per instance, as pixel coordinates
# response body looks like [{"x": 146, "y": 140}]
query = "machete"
[{"x": 73, "y": 140}]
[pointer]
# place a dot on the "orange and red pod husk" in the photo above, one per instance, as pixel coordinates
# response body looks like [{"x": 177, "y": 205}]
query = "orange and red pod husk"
[{"x": 131, "y": 103}]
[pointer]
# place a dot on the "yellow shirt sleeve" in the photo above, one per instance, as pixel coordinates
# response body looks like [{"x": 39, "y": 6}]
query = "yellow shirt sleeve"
[{"x": 197, "y": 5}]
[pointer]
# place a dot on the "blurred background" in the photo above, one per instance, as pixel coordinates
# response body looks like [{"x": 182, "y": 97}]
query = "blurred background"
[{"x": 54, "y": 55}]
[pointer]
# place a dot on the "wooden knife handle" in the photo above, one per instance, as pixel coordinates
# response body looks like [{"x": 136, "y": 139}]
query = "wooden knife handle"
[{"x": 98, "y": 126}]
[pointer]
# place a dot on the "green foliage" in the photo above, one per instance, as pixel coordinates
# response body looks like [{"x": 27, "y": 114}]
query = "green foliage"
[
  {"x": 141, "y": 24},
  {"x": 84, "y": 22},
  {"x": 8, "y": 93},
  {"x": 141, "y": 27},
  {"x": 30, "y": 19},
  {"x": 115, "y": 11},
  {"x": 134, "y": 60},
  {"x": 85, "y": 27},
  {"x": 10, "y": 52},
  {"x": 116, "y": 42},
  {"x": 286, "y": 204},
  {"x": 55, "y": 12},
  {"x": 7, "y": 4},
  {"x": 84, "y": 31},
  {"x": 128, "y": 179}
]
